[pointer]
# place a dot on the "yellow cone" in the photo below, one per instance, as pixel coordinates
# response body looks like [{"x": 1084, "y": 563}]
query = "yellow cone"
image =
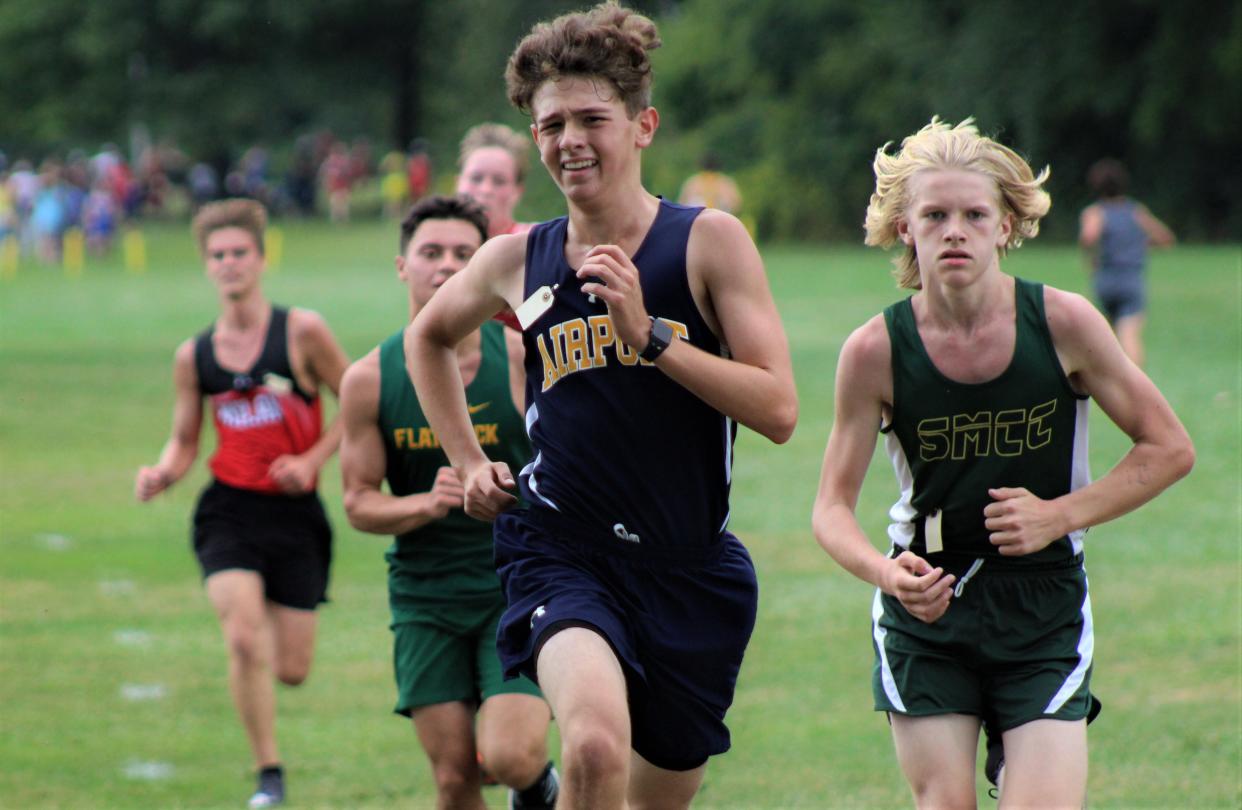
[
  {"x": 10, "y": 255},
  {"x": 73, "y": 253},
  {"x": 134, "y": 246},
  {"x": 275, "y": 247}
]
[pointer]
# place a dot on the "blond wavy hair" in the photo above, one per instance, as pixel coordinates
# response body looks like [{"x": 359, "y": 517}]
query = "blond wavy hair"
[
  {"x": 609, "y": 41},
  {"x": 941, "y": 146},
  {"x": 485, "y": 135}
]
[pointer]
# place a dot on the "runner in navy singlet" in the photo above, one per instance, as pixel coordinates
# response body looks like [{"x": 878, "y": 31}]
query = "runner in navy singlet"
[{"x": 649, "y": 333}]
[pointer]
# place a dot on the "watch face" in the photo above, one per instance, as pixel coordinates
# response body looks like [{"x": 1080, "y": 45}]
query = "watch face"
[{"x": 661, "y": 335}]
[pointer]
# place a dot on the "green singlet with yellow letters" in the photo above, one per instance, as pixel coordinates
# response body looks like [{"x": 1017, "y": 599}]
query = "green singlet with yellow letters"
[
  {"x": 950, "y": 441},
  {"x": 448, "y": 562}
]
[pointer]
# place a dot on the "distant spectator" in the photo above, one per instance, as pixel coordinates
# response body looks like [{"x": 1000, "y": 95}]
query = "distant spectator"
[
  {"x": 100, "y": 216},
  {"x": 336, "y": 175},
  {"x": 1115, "y": 231},
  {"x": 394, "y": 184},
  {"x": 711, "y": 188},
  {"x": 47, "y": 217},
  {"x": 418, "y": 169},
  {"x": 253, "y": 167},
  {"x": 152, "y": 182},
  {"x": 300, "y": 178},
  {"x": 361, "y": 166},
  {"x": 204, "y": 184}
]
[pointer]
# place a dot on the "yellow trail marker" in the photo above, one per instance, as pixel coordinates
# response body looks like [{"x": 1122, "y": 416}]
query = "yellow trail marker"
[
  {"x": 73, "y": 253},
  {"x": 10, "y": 255},
  {"x": 134, "y": 246},
  {"x": 275, "y": 247}
]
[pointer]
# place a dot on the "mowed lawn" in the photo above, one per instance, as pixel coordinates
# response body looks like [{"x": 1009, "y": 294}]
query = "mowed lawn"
[{"x": 112, "y": 672}]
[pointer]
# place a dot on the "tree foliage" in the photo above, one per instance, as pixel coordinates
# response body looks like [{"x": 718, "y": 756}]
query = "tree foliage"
[
  {"x": 797, "y": 97},
  {"x": 793, "y": 97}
]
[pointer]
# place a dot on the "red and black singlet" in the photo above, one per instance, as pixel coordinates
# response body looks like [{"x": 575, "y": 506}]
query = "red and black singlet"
[{"x": 261, "y": 413}]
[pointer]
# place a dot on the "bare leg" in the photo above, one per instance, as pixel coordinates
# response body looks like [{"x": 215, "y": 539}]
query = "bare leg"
[
  {"x": 446, "y": 731},
  {"x": 937, "y": 755},
  {"x": 238, "y": 599},
  {"x": 585, "y": 685},
  {"x": 653, "y": 788},
  {"x": 1130, "y": 335},
  {"x": 513, "y": 738},
  {"x": 1045, "y": 764},
  {"x": 295, "y": 642}
]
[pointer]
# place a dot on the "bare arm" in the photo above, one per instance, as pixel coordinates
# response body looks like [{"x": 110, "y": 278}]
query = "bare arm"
[
  {"x": 1158, "y": 234},
  {"x": 1090, "y": 226},
  {"x": 182, "y": 446},
  {"x": 491, "y": 281},
  {"x": 864, "y": 384},
  {"x": 363, "y": 463},
  {"x": 317, "y": 355},
  {"x": 1162, "y": 452},
  {"x": 754, "y": 386}
]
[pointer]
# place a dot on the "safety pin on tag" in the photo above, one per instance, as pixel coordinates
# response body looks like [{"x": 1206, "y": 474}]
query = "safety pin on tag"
[
  {"x": 931, "y": 532},
  {"x": 540, "y": 301}
]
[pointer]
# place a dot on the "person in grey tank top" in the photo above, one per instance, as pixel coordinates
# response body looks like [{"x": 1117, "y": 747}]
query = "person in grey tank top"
[
  {"x": 954, "y": 643},
  {"x": 1115, "y": 231}
]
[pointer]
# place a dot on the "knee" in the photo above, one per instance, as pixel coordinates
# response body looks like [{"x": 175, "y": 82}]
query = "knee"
[
  {"x": 245, "y": 645},
  {"x": 455, "y": 783},
  {"x": 514, "y": 762},
  {"x": 935, "y": 793},
  {"x": 293, "y": 674},
  {"x": 595, "y": 751}
]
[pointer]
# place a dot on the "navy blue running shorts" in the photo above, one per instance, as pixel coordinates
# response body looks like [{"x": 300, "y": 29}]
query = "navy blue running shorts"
[
  {"x": 286, "y": 539},
  {"x": 678, "y": 620}
]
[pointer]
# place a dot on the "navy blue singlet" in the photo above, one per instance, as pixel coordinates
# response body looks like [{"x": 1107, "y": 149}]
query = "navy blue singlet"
[{"x": 622, "y": 452}]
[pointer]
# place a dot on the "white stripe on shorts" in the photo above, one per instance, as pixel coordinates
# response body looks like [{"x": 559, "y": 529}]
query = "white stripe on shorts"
[
  {"x": 1086, "y": 652},
  {"x": 886, "y": 672}
]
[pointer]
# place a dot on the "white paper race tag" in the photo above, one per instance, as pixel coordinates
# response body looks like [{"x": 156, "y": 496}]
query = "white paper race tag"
[
  {"x": 931, "y": 532},
  {"x": 539, "y": 302}
]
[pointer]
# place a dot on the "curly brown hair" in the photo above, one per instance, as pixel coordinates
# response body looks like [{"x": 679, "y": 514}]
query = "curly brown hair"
[{"x": 610, "y": 41}]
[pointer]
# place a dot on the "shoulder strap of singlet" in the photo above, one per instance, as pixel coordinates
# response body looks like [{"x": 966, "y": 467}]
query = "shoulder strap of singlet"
[
  {"x": 275, "y": 354},
  {"x": 211, "y": 378}
]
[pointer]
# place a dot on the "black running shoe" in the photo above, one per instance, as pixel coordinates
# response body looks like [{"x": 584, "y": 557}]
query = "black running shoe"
[
  {"x": 541, "y": 795},
  {"x": 271, "y": 789}
]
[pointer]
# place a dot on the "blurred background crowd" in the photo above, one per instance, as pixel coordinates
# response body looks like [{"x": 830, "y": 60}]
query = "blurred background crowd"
[{"x": 98, "y": 194}]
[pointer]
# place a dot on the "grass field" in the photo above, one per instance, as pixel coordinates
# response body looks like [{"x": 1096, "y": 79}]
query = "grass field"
[{"x": 112, "y": 672}]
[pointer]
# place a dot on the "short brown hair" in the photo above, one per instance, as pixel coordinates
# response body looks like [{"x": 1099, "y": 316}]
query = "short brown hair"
[
  {"x": 439, "y": 206},
  {"x": 1108, "y": 178},
  {"x": 249, "y": 215},
  {"x": 484, "y": 135},
  {"x": 608, "y": 41}
]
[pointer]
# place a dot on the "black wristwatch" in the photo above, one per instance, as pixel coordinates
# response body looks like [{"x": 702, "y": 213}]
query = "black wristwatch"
[{"x": 661, "y": 335}]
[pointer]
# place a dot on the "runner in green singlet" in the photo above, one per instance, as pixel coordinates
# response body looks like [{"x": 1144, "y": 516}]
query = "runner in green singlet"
[
  {"x": 444, "y": 595},
  {"x": 980, "y": 383}
]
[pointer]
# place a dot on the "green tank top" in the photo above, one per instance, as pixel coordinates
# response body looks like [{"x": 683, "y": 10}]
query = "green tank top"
[
  {"x": 448, "y": 560},
  {"x": 949, "y": 442}
]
